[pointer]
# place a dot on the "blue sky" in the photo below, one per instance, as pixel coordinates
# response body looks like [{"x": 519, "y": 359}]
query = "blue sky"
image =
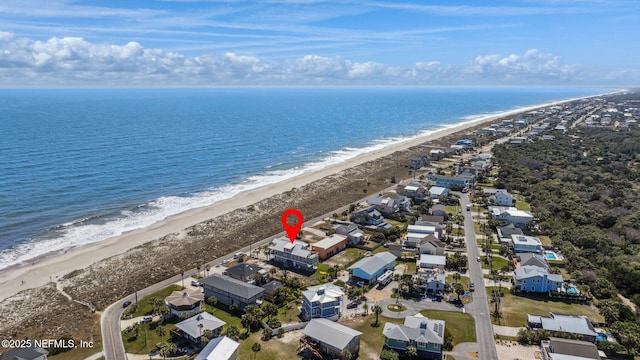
[{"x": 314, "y": 42}]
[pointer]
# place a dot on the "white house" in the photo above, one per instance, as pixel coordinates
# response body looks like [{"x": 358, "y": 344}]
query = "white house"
[
  {"x": 220, "y": 348},
  {"x": 322, "y": 301},
  {"x": 519, "y": 218},
  {"x": 427, "y": 261},
  {"x": 415, "y": 234},
  {"x": 437, "y": 191},
  {"x": 522, "y": 244}
]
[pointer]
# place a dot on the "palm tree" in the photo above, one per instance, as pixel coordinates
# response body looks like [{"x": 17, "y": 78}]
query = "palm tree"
[
  {"x": 411, "y": 351},
  {"x": 377, "y": 310},
  {"x": 459, "y": 289},
  {"x": 255, "y": 348},
  {"x": 456, "y": 277},
  {"x": 365, "y": 307},
  {"x": 207, "y": 268},
  {"x": 233, "y": 332}
]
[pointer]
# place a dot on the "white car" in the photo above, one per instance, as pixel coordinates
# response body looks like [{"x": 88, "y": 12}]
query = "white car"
[
  {"x": 146, "y": 319},
  {"x": 195, "y": 283}
]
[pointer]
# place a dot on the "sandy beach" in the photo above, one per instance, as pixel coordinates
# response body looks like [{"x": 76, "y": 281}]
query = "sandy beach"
[{"x": 105, "y": 271}]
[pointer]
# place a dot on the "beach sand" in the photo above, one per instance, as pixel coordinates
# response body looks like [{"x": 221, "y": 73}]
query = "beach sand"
[{"x": 103, "y": 272}]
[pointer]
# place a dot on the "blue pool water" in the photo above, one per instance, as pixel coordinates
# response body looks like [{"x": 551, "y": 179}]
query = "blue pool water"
[{"x": 550, "y": 256}]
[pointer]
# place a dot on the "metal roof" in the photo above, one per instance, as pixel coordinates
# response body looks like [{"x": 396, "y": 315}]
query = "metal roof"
[
  {"x": 233, "y": 286},
  {"x": 330, "y": 333}
]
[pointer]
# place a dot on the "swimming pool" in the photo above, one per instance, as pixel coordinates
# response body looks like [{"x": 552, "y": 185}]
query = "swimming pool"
[{"x": 550, "y": 256}]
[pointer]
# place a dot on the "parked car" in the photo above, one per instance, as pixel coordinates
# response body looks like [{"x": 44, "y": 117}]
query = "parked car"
[
  {"x": 146, "y": 319},
  {"x": 126, "y": 303},
  {"x": 352, "y": 305},
  {"x": 455, "y": 301},
  {"x": 195, "y": 283},
  {"x": 478, "y": 259},
  {"x": 472, "y": 287},
  {"x": 360, "y": 283}
]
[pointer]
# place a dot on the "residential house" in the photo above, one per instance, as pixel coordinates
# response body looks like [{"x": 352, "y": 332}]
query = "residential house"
[
  {"x": 431, "y": 245},
  {"x": 250, "y": 273},
  {"x": 426, "y": 335},
  {"x": 500, "y": 197},
  {"x": 194, "y": 329},
  {"x": 367, "y": 216},
  {"x": 331, "y": 339},
  {"x": 27, "y": 353},
  {"x": 432, "y": 219},
  {"x": 465, "y": 142},
  {"x": 415, "y": 234},
  {"x": 453, "y": 182},
  {"x": 505, "y": 232},
  {"x": 519, "y": 218},
  {"x": 567, "y": 349},
  {"x": 413, "y": 190},
  {"x": 564, "y": 324},
  {"x": 384, "y": 204},
  {"x": 229, "y": 291},
  {"x": 329, "y": 246},
  {"x": 370, "y": 268},
  {"x": 532, "y": 259},
  {"x": 270, "y": 289},
  {"x": 418, "y": 162},
  {"x": 535, "y": 279},
  {"x": 220, "y": 348},
  {"x": 438, "y": 210},
  {"x": 185, "y": 302},
  {"x": 430, "y": 281},
  {"x": 427, "y": 261},
  {"x": 322, "y": 301},
  {"x": 522, "y": 243},
  {"x": 404, "y": 202},
  {"x": 352, "y": 232},
  {"x": 297, "y": 255},
  {"x": 437, "y": 191}
]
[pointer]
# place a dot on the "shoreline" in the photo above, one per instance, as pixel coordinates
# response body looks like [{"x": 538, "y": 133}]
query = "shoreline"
[{"x": 42, "y": 270}]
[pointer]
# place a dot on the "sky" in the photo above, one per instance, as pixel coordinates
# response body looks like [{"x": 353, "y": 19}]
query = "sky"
[{"x": 201, "y": 43}]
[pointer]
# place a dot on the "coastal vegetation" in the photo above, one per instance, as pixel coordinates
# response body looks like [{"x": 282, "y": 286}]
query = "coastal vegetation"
[{"x": 583, "y": 188}]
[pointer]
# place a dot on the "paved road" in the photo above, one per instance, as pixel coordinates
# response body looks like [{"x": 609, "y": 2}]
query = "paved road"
[{"x": 479, "y": 307}]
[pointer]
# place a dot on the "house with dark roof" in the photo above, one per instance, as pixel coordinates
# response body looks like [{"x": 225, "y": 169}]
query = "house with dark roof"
[
  {"x": 505, "y": 232},
  {"x": 431, "y": 245},
  {"x": 330, "y": 338},
  {"x": 370, "y": 268},
  {"x": 249, "y": 273},
  {"x": 425, "y": 334},
  {"x": 30, "y": 353},
  {"x": 229, "y": 291},
  {"x": 367, "y": 216},
  {"x": 198, "y": 327},
  {"x": 352, "y": 232},
  {"x": 185, "y": 302},
  {"x": 563, "y": 325},
  {"x": 567, "y": 349},
  {"x": 438, "y": 210},
  {"x": 270, "y": 289}
]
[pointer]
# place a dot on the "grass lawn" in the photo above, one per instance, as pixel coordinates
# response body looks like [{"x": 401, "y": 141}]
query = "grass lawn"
[
  {"x": 274, "y": 349},
  {"x": 321, "y": 272},
  {"x": 545, "y": 240},
  {"x": 452, "y": 209},
  {"x": 371, "y": 340},
  {"x": 146, "y": 339},
  {"x": 498, "y": 262},
  {"x": 521, "y": 204},
  {"x": 464, "y": 280},
  {"x": 459, "y": 326},
  {"x": 223, "y": 315},
  {"x": 144, "y": 308},
  {"x": 515, "y": 308}
]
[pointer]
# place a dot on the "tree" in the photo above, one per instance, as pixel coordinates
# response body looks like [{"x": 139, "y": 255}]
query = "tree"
[
  {"x": 233, "y": 332},
  {"x": 212, "y": 300},
  {"x": 346, "y": 354},
  {"x": 377, "y": 310},
  {"x": 389, "y": 355},
  {"x": 456, "y": 277},
  {"x": 459, "y": 289},
  {"x": 365, "y": 307},
  {"x": 255, "y": 348},
  {"x": 411, "y": 351},
  {"x": 269, "y": 309},
  {"x": 207, "y": 269},
  {"x": 252, "y": 318}
]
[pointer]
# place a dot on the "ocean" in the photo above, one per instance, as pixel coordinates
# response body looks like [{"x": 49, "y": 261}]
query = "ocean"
[{"x": 79, "y": 166}]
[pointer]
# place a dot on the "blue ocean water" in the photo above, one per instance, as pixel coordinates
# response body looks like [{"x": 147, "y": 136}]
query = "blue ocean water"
[{"x": 79, "y": 166}]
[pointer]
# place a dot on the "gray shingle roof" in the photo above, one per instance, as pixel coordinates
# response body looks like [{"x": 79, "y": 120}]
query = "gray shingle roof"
[
  {"x": 233, "y": 286},
  {"x": 208, "y": 321},
  {"x": 297, "y": 248},
  {"x": 330, "y": 333},
  {"x": 372, "y": 264},
  {"x": 565, "y": 323},
  {"x": 24, "y": 354},
  {"x": 243, "y": 270},
  {"x": 432, "y": 333}
]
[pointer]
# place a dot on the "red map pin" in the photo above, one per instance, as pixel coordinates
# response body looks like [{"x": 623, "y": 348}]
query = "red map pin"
[{"x": 292, "y": 230}]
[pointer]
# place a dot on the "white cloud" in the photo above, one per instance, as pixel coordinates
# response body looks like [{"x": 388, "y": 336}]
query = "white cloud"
[{"x": 74, "y": 61}]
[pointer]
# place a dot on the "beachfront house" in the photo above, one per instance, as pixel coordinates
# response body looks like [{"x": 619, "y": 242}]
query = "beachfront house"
[
  {"x": 185, "y": 302},
  {"x": 418, "y": 162},
  {"x": 387, "y": 205},
  {"x": 457, "y": 182},
  {"x": 519, "y": 218},
  {"x": 198, "y": 327},
  {"x": 329, "y": 246},
  {"x": 563, "y": 325},
  {"x": 322, "y": 301},
  {"x": 367, "y": 216},
  {"x": 425, "y": 334},
  {"x": 231, "y": 292},
  {"x": 220, "y": 348},
  {"x": 413, "y": 190},
  {"x": 330, "y": 339},
  {"x": 296, "y": 255},
  {"x": 535, "y": 279},
  {"x": 523, "y": 244},
  {"x": 370, "y": 268},
  {"x": 250, "y": 273},
  {"x": 352, "y": 232}
]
